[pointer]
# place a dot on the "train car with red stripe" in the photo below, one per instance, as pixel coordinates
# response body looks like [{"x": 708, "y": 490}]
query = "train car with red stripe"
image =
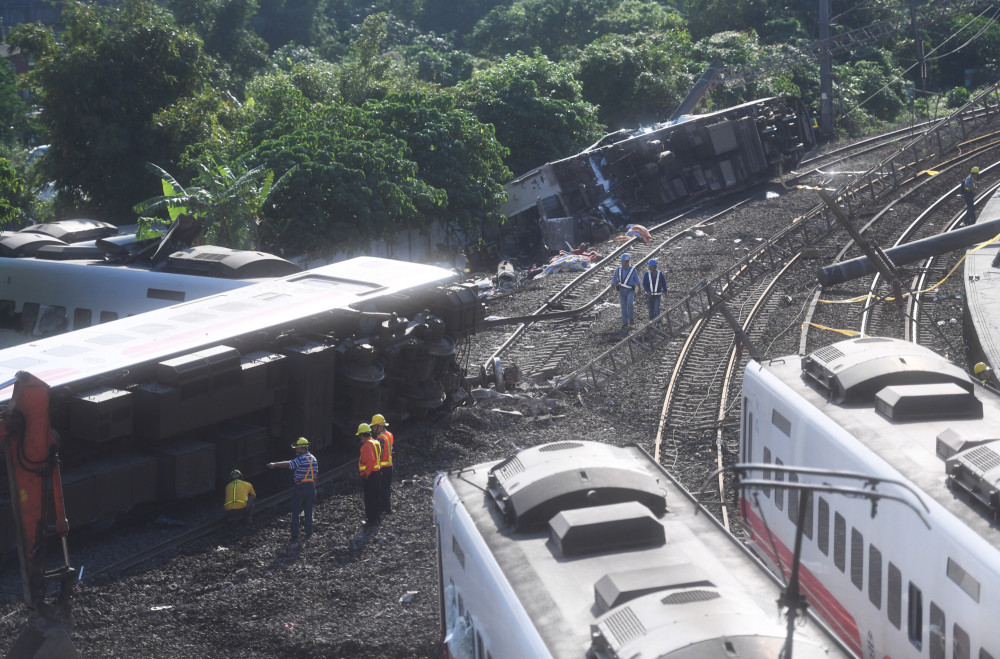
[
  {"x": 900, "y": 449},
  {"x": 577, "y": 549},
  {"x": 163, "y": 405}
]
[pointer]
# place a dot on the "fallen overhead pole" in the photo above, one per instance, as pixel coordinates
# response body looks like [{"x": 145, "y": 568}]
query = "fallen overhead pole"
[{"x": 838, "y": 273}]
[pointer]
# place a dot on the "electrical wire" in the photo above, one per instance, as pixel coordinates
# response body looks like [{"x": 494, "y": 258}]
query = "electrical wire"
[{"x": 992, "y": 19}]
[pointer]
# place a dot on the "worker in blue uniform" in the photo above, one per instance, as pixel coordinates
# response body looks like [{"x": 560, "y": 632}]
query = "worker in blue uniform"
[
  {"x": 968, "y": 191},
  {"x": 626, "y": 282},
  {"x": 655, "y": 285}
]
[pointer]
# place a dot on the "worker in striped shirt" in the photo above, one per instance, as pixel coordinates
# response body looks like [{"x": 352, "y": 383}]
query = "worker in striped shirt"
[{"x": 305, "y": 469}]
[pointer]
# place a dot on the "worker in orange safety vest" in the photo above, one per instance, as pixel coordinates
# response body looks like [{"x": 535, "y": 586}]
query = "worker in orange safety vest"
[
  {"x": 386, "y": 439},
  {"x": 369, "y": 465}
]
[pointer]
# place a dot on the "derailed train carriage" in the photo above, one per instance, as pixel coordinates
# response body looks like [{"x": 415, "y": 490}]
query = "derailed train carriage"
[
  {"x": 162, "y": 405},
  {"x": 626, "y": 177}
]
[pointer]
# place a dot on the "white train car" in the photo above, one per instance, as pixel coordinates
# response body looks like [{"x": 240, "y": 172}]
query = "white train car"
[
  {"x": 71, "y": 274},
  {"x": 583, "y": 549},
  {"x": 913, "y": 577},
  {"x": 160, "y": 406}
]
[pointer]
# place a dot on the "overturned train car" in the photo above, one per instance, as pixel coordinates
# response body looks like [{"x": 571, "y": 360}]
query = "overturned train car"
[
  {"x": 162, "y": 405},
  {"x": 627, "y": 177}
]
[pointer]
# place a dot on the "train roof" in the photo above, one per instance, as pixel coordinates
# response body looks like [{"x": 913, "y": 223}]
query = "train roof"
[
  {"x": 601, "y": 560},
  {"x": 272, "y": 306},
  {"x": 912, "y": 408}
]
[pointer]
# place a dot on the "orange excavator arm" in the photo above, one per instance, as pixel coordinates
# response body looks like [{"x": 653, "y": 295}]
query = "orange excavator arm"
[{"x": 30, "y": 449}]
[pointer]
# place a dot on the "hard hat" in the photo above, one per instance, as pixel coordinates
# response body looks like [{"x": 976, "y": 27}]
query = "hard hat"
[
  {"x": 652, "y": 262},
  {"x": 979, "y": 368},
  {"x": 364, "y": 428},
  {"x": 235, "y": 474},
  {"x": 624, "y": 257},
  {"x": 379, "y": 420},
  {"x": 975, "y": 170},
  {"x": 301, "y": 442}
]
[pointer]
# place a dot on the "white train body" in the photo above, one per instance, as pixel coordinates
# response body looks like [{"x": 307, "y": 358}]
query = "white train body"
[
  {"x": 49, "y": 286},
  {"x": 889, "y": 584},
  {"x": 582, "y": 549}
]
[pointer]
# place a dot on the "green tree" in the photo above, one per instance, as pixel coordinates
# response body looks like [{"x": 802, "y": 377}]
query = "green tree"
[
  {"x": 536, "y": 107},
  {"x": 13, "y": 109},
  {"x": 341, "y": 179},
  {"x": 225, "y": 28},
  {"x": 15, "y": 197},
  {"x": 553, "y": 26},
  {"x": 100, "y": 88},
  {"x": 875, "y": 86},
  {"x": 454, "y": 152},
  {"x": 228, "y": 201},
  {"x": 636, "y": 79}
]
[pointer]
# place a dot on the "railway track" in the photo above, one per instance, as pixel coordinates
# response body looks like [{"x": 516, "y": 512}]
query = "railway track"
[{"x": 154, "y": 551}]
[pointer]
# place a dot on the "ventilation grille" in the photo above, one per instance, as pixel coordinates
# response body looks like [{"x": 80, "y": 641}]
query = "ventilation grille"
[
  {"x": 691, "y": 596},
  {"x": 873, "y": 339},
  {"x": 560, "y": 446},
  {"x": 623, "y": 626},
  {"x": 828, "y": 354},
  {"x": 510, "y": 469},
  {"x": 983, "y": 458},
  {"x": 977, "y": 471}
]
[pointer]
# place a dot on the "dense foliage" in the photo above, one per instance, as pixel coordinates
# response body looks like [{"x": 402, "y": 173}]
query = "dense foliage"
[{"x": 319, "y": 124}]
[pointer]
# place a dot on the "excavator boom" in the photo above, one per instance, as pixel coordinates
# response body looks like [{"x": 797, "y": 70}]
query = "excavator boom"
[{"x": 30, "y": 449}]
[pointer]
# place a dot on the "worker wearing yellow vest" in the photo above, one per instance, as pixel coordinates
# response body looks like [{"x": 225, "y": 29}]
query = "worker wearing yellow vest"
[
  {"x": 369, "y": 465},
  {"x": 240, "y": 495},
  {"x": 305, "y": 469},
  {"x": 385, "y": 438}
]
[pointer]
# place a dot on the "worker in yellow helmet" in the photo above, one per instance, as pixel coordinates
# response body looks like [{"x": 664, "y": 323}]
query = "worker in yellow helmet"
[
  {"x": 385, "y": 438},
  {"x": 983, "y": 372},
  {"x": 305, "y": 469},
  {"x": 369, "y": 465},
  {"x": 968, "y": 191},
  {"x": 239, "y": 498}
]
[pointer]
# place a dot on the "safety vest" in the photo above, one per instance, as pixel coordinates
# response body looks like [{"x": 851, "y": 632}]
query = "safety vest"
[
  {"x": 371, "y": 457},
  {"x": 623, "y": 276},
  {"x": 653, "y": 283},
  {"x": 968, "y": 185},
  {"x": 310, "y": 476},
  {"x": 386, "y": 438},
  {"x": 236, "y": 496}
]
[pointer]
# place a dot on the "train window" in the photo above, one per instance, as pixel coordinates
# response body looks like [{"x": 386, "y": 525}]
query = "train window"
[
  {"x": 108, "y": 316},
  {"x": 894, "y": 603},
  {"x": 936, "y": 631},
  {"x": 839, "y": 541},
  {"x": 960, "y": 646},
  {"x": 747, "y": 453},
  {"x": 983, "y": 654},
  {"x": 52, "y": 321},
  {"x": 457, "y": 550},
  {"x": 875, "y": 576},
  {"x": 781, "y": 423},
  {"x": 767, "y": 474},
  {"x": 805, "y": 499},
  {"x": 965, "y": 581},
  {"x": 779, "y": 494},
  {"x": 8, "y": 319},
  {"x": 823, "y": 527},
  {"x": 793, "y": 500},
  {"x": 915, "y": 617},
  {"x": 857, "y": 558},
  {"x": 81, "y": 318},
  {"x": 29, "y": 316}
]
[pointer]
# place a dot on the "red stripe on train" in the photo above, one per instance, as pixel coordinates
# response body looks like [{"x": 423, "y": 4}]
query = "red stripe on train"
[{"x": 826, "y": 604}]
